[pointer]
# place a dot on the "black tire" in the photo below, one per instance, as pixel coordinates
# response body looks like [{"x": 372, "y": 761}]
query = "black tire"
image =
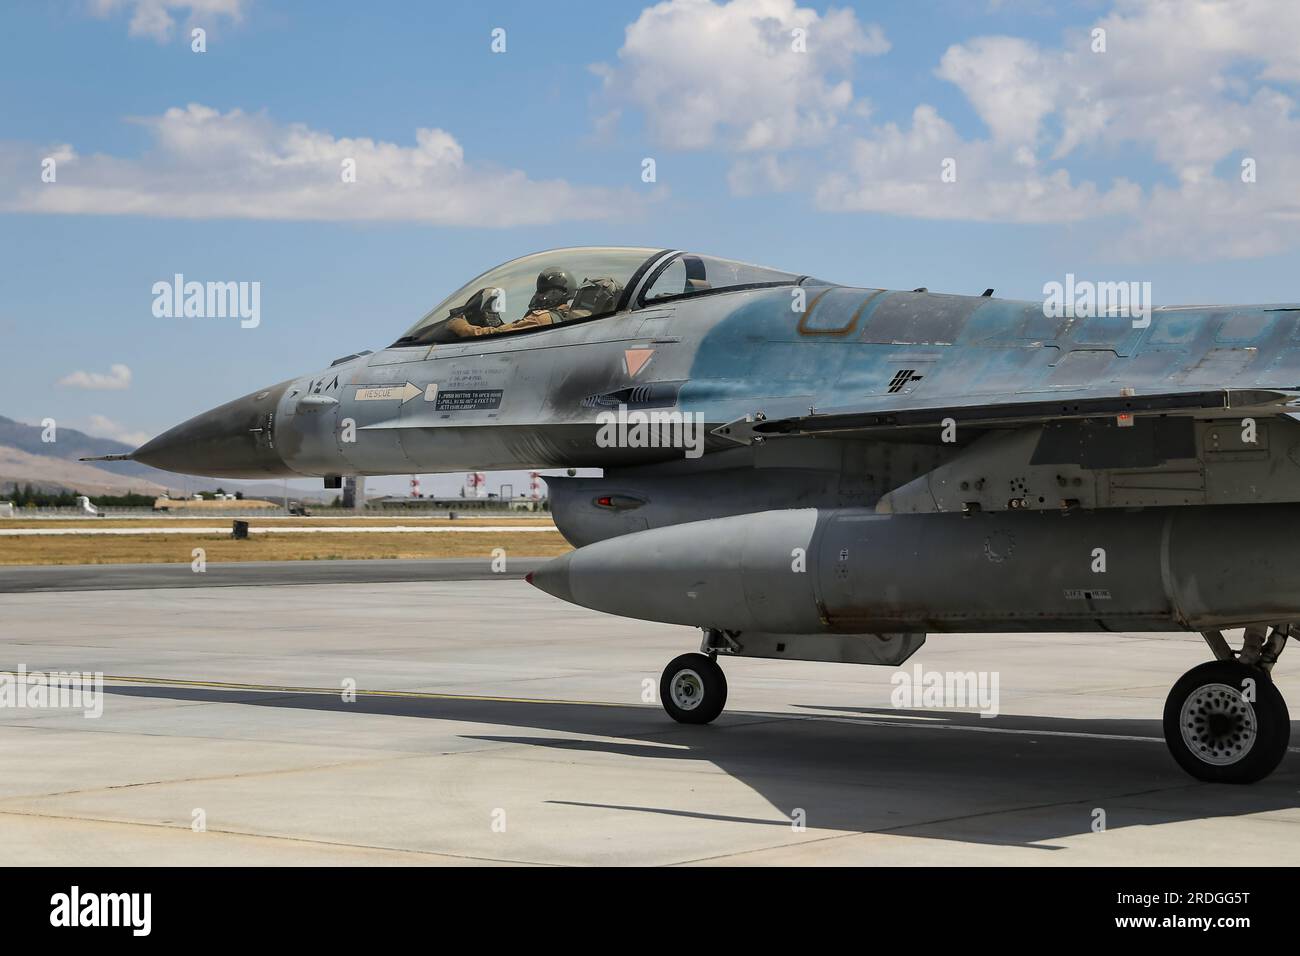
[
  {"x": 693, "y": 689},
  {"x": 1218, "y": 736}
]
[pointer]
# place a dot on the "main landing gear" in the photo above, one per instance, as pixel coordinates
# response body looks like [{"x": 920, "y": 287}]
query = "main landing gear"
[{"x": 1225, "y": 721}]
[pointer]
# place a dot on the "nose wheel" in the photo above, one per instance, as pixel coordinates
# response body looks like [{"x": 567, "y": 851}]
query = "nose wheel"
[
  {"x": 1226, "y": 722},
  {"x": 693, "y": 689}
]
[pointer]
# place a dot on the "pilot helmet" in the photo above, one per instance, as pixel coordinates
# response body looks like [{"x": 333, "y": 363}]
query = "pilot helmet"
[
  {"x": 481, "y": 309},
  {"x": 554, "y": 286}
]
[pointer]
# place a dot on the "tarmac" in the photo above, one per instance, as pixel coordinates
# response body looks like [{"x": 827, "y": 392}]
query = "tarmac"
[
  {"x": 112, "y": 577},
  {"x": 494, "y": 724}
]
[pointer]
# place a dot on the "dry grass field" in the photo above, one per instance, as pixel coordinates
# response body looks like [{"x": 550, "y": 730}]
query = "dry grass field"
[{"x": 314, "y": 546}]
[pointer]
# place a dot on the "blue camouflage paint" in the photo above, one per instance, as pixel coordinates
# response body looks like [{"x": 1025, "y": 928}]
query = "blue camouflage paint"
[{"x": 976, "y": 348}]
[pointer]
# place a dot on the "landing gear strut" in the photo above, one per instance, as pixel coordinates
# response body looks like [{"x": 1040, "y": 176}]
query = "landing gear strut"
[{"x": 1225, "y": 721}]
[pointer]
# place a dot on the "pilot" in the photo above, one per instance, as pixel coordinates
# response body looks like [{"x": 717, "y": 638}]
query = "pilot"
[
  {"x": 593, "y": 297},
  {"x": 478, "y": 316},
  {"x": 550, "y": 303}
]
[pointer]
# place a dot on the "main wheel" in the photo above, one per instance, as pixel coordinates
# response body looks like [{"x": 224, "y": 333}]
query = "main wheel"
[
  {"x": 1219, "y": 735},
  {"x": 693, "y": 689}
]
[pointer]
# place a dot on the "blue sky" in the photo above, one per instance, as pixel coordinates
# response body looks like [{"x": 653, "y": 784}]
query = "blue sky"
[{"x": 1119, "y": 164}]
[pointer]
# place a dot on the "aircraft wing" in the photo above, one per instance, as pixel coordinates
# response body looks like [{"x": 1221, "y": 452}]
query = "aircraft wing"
[{"x": 1014, "y": 412}]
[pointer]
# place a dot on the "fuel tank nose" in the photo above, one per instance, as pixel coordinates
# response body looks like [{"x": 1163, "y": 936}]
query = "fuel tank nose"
[
  {"x": 234, "y": 440},
  {"x": 553, "y": 578}
]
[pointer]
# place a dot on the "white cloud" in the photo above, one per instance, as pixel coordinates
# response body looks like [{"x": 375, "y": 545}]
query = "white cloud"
[
  {"x": 767, "y": 173},
  {"x": 153, "y": 18},
  {"x": 117, "y": 378},
  {"x": 1184, "y": 90},
  {"x": 706, "y": 73},
  {"x": 208, "y": 165},
  {"x": 899, "y": 171},
  {"x": 1190, "y": 83},
  {"x": 1011, "y": 84},
  {"x": 1175, "y": 78},
  {"x": 103, "y": 427}
]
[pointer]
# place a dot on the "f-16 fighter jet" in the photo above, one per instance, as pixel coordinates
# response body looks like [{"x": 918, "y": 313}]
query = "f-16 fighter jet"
[{"x": 810, "y": 471}]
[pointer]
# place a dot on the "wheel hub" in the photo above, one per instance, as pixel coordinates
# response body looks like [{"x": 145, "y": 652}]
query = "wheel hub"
[
  {"x": 687, "y": 689},
  {"x": 1218, "y": 724}
]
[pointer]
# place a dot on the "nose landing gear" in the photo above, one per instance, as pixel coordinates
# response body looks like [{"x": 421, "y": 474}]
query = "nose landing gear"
[
  {"x": 1225, "y": 721},
  {"x": 693, "y": 689}
]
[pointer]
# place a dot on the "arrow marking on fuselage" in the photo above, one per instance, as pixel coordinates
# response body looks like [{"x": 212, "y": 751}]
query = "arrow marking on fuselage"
[{"x": 386, "y": 393}]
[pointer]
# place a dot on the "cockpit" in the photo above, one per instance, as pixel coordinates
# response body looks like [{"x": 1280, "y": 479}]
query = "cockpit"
[{"x": 576, "y": 285}]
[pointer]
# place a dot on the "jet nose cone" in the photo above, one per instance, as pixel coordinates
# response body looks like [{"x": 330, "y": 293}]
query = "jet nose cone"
[
  {"x": 235, "y": 440},
  {"x": 553, "y": 578}
]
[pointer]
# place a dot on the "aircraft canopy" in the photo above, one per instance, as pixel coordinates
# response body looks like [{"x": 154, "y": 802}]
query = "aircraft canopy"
[{"x": 568, "y": 285}]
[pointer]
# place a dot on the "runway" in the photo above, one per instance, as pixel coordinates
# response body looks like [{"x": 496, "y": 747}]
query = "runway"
[
  {"x": 494, "y": 724},
  {"x": 114, "y": 577}
]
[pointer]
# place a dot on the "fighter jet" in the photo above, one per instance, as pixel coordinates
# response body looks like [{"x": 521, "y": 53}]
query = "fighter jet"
[{"x": 811, "y": 471}]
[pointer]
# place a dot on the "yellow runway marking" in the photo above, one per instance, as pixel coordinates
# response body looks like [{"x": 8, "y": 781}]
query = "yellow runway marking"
[{"x": 333, "y": 691}]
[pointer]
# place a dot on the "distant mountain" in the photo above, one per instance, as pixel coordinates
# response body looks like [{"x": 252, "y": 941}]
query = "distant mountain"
[
  {"x": 50, "y": 474},
  {"x": 70, "y": 444},
  {"x": 45, "y": 466}
]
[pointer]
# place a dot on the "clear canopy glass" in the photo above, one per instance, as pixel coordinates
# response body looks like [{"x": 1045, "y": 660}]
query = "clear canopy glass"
[
  {"x": 569, "y": 285},
  {"x": 690, "y": 274},
  {"x": 564, "y": 283}
]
